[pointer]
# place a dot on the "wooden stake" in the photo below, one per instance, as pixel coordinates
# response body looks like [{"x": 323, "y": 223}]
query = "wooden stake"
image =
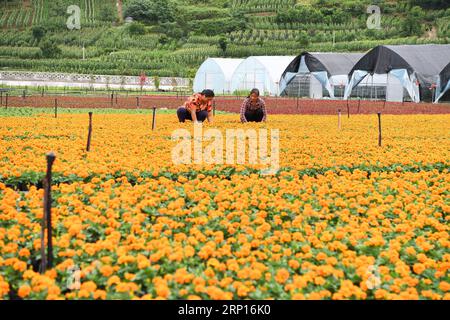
[
  {"x": 56, "y": 108},
  {"x": 154, "y": 118},
  {"x": 339, "y": 119},
  {"x": 48, "y": 207},
  {"x": 137, "y": 102},
  {"x": 6, "y": 106},
  {"x": 88, "y": 147},
  {"x": 348, "y": 110},
  {"x": 43, "y": 225},
  {"x": 379, "y": 129},
  {"x": 214, "y": 108}
]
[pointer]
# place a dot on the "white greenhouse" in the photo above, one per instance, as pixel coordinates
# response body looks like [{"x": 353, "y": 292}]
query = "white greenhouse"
[
  {"x": 261, "y": 72},
  {"x": 215, "y": 74}
]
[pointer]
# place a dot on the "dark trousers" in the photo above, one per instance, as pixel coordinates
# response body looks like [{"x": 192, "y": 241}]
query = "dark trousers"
[
  {"x": 184, "y": 114},
  {"x": 254, "y": 115}
]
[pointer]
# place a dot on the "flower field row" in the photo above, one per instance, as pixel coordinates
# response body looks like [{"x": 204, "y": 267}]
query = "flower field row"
[
  {"x": 342, "y": 219},
  {"x": 125, "y": 143},
  {"x": 335, "y": 236}
]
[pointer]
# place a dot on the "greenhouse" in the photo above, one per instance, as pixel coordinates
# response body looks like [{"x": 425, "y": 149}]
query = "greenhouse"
[
  {"x": 263, "y": 73},
  {"x": 316, "y": 75},
  {"x": 410, "y": 72},
  {"x": 443, "y": 83},
  {"x": 215, "y": 74}
]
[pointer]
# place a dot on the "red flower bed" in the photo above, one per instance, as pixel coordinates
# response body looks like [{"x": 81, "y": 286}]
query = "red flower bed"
[{"x": 232, "y": 104}]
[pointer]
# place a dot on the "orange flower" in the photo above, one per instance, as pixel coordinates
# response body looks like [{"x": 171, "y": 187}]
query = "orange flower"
[
  {"x": 282, "y": 276},
  {"x": 106, "y": 271},
  {"x": 24, "y": 252},
  {"x": 419, "y": 268},
  {"x": 444, "y": 286},
  {"x": 162, "y": 291},
  {"x": 24, "y": 291},
  {"x": 294, "y": 264}
]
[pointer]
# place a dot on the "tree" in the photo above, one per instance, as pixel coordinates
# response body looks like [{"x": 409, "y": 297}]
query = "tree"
[
  {"x": 412, "y": 25},
  {"x": 223, "y": 44},
  {"x": 49, "y": 49},
  {"x": 431, "y": 4},
  {"x": 151, "y": 11},
  {"x": 38, "y": 33},
  {"x": 119, "y": 10}
]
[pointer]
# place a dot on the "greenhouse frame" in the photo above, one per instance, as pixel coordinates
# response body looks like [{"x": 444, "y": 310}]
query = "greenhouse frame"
[
  {"x": 261, "y": 72},
  {"x": 216, "y": 74},
  {"x": 318, "y": 74},
  {"x": 410, "y": 71}
]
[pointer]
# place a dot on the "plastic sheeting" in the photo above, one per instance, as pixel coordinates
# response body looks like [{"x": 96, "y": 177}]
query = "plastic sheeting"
[
  {"x": 216, "y": 74},
  {"x": 413, "y": 65},
  {"x": 261, "y": 72},
  {"x": 330, "y": 69},
  {"x": 443, "y": 83}
]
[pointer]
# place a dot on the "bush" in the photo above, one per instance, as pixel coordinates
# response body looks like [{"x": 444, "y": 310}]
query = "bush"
[
  {"x": 136, "y": 28},
  {"x": 49, "y": 49},
  {"x": 38, "y": 32},
  {"x": 172, "y": 30},
  {"x": 223, "y": 43}
]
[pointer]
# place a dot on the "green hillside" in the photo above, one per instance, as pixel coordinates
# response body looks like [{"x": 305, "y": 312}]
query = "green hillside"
[{"x": 173, "y": 37}]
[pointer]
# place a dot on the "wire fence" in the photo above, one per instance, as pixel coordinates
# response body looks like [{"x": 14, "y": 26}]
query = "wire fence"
[{"x": 227, "y": 103}]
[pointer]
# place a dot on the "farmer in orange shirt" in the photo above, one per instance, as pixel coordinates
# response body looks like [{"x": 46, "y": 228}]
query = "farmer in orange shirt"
[{"x": 198, "y": 107}]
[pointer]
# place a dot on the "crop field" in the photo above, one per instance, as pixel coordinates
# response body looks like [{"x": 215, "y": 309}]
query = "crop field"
[
  {"x": 177, "y": 36},
  {"x": 343, "y": 218}
]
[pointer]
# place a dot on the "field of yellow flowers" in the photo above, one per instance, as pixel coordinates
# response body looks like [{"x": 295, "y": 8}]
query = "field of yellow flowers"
[{"x": 343, "y": 218}]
